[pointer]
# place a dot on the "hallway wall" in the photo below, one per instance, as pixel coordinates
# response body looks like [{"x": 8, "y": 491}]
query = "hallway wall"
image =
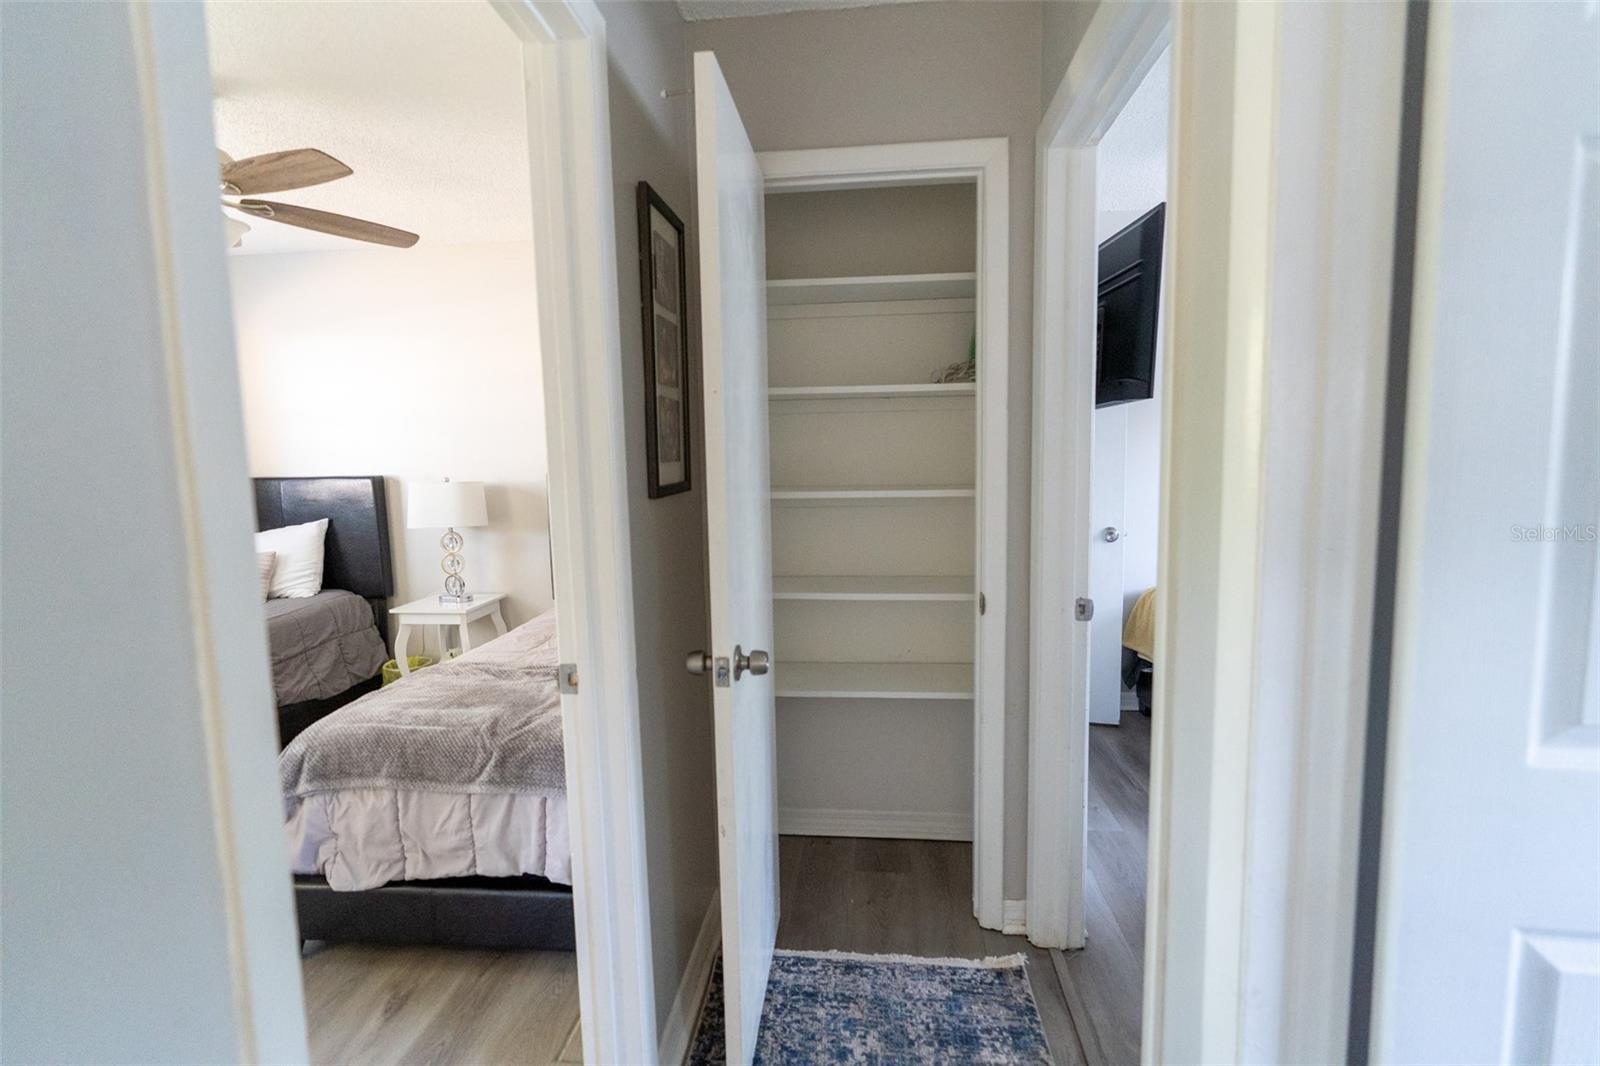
[{"x": 652, "y": 140}]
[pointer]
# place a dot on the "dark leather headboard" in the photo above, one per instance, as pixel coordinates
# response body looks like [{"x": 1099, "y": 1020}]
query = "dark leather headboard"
[{"x": 357, "y": 549}]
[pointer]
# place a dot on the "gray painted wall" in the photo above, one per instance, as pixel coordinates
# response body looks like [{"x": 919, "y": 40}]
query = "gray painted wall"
[
  {"x": 857, "y": 232},
  {"x": 1064, "y": 24},
  {"x": 920, "y": 72},
  {"x": 652, "y": 141}
]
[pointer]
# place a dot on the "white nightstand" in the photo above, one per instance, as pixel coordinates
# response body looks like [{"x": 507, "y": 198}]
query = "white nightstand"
[{"x": 428, "y": 611}]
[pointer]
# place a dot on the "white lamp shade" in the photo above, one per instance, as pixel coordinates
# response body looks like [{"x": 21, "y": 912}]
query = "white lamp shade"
[{"x": 441, "y": 504}]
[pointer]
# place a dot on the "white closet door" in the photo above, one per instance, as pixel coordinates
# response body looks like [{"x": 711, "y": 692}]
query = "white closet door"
[
  {"x": 1489, "y": 935},
  {"x": 739, "y": 544},
  {"x": 1105, "y": 565}
]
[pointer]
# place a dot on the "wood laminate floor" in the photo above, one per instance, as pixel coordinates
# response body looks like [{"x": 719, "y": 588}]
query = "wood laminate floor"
[
  {"x": 375, "y": 1004},
  {"x": 370, "y": 1004},
  {"x": 1104, "y": 982},
  {"x": 905, "y": 897},
  {"x": 914, "y": 897}
]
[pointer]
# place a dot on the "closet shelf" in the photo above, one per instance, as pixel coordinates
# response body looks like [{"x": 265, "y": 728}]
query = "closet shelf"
[
  {"x": 870, "y": 392},
  {"x": 870, "y": 495},
  {"x": 920, "y": 589},
  {"x": 875, "y": 681},
  {"x": 873, "y": 288}
]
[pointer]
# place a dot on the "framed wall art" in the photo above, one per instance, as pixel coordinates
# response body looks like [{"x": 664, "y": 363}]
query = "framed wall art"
[{"x": 664, "y": 300}]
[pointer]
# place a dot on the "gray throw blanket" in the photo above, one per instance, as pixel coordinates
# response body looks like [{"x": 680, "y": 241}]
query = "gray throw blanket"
[
  {"x": 488, "y": 722},
  {"x": 321, "y": 645}
]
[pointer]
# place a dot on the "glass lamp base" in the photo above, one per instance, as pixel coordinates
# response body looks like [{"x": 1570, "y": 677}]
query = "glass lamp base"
[{"x": 455, "y": 586}]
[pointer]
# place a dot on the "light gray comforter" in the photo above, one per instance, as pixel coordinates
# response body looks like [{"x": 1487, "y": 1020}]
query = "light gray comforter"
[
  {"x": 488, "y": 722},
  {"x": 321, "y": 645}
]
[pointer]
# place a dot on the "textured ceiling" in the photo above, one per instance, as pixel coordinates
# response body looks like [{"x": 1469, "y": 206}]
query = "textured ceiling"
[
  {"x": 1132, "y": 164},
  {"x": 698, "y": 10},
  {"x": 423, "y": 100}
]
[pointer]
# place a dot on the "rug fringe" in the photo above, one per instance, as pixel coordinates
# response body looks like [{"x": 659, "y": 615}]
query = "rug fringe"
[{"x": 991, "y": 962}]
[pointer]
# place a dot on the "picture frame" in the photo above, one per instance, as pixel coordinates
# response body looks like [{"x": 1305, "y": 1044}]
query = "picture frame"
[{"x": 664, "y": 303}]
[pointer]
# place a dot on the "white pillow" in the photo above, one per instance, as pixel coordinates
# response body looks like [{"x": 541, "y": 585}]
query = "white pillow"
[
  {"x": 264, "y": 561},
  {"x": 297, "y": 571}
]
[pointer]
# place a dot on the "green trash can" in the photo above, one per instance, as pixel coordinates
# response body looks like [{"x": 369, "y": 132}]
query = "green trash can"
[{"x": 391, "y": 669}]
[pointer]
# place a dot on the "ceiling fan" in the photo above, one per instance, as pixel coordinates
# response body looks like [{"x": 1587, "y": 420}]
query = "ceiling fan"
[{"x": 299, "y": 168}]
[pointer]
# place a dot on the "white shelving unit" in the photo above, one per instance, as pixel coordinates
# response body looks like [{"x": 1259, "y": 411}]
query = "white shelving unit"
[
  {"x": 871, "y": 392},
  {"x": 876, "y": 288},
  {"x": 877, "y": 494},
  {"x": 875, "y": 589},
  {"x": 874, "y": 493},
  {"x": 874, "y": 681}
]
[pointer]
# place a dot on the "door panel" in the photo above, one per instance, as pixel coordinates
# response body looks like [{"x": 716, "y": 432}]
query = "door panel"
[
  {"x": 1489, "y": 886},
  {"x": 738, "y": 544},
  {"x": 1105, "y": 565}
]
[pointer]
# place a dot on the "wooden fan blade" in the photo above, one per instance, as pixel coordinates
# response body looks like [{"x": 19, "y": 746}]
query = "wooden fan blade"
[
  {"x": 281, "y": 171},
  {"x": 327, "y": 222}
]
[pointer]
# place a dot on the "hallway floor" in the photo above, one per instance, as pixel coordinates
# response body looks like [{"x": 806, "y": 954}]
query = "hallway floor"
[
  {"x": 914, "y": 897},
  {"x": 1104, "y": 983}
]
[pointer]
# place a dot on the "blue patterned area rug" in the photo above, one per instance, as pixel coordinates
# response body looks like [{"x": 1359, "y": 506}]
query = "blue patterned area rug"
[{"x": 832, "y": 1007}]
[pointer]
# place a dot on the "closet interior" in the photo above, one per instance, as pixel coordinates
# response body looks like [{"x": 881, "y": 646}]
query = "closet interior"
[{"x": 873, "y": 393}]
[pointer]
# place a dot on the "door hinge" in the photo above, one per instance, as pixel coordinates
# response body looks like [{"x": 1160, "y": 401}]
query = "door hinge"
[
  {"x": 983, "y": 604},
  {"x": 1083, "y": 609},
  {"x": 567, "y": 679}
]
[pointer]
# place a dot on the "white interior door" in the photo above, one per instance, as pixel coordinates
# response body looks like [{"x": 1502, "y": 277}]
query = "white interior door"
[
  {"x": 1489, "y": 884},
  {"x": 1105, "y": 565},
  {"x": 733, "y": 294}
]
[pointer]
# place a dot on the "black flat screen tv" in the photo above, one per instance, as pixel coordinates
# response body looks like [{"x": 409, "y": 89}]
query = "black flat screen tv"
[{"x": 1130, "y": 297}]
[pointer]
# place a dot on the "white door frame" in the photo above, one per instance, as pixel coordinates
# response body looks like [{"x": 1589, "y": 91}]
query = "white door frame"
[
  {"x": 1122, "y": 43},
  {"x": 574, "y": 236},
  {"x": 570, "y": 147},
  {"x": 1274, "y": 375},
  {"x": 983, "y": 161}
]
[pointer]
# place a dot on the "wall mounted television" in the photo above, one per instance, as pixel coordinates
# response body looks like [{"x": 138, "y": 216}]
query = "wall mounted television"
[{"x": 1130, "y": 298}]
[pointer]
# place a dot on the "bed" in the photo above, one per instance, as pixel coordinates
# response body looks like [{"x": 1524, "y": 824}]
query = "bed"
[
  {"x": 434, "y": 810},
  {"x": 1138, "y": 649},
  {"x": 329, "y": 649}
]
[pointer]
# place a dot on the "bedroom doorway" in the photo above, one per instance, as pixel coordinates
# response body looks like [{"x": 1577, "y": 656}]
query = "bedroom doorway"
[
  {"x": 410, "y": 611},
  {"x": 1272, "y": 431},
  {"x": 1106, "y": 977},
  {"x": 358, "y": 537}
]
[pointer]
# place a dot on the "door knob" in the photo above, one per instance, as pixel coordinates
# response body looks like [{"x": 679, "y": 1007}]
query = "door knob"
[
  {"x": 1111, "y": 534},
  {"x": 756, "y": 662},
  {"x": 699, "y": 662}
]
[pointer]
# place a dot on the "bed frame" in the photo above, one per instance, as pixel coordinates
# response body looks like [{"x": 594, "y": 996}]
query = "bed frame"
[
  {"x": 356, "y": 554},
  {"x": 470, "y": 912},
  {"x": 463, "y": 912},
  {"x": 356, "y": 558}
]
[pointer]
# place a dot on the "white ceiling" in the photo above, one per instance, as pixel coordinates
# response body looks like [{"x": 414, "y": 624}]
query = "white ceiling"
[
  {"x": 423, "y": 100},
  {"x": 1131, "y": 167},
  {"x": 699, "y": 10}
]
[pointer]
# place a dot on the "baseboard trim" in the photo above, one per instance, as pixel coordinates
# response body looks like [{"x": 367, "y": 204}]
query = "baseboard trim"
[
  {"x": 679, "y": 1030},
  {"x": 1014, "y": 917},
  {"x": 901, "y": 825}
]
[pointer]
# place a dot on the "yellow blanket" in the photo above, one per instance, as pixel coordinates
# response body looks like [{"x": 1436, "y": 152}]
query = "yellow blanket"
[{"x": 1139, "y": 628}]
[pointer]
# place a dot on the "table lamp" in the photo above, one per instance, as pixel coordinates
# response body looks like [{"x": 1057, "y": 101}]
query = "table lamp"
[{"x": 445, "y": 505}]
